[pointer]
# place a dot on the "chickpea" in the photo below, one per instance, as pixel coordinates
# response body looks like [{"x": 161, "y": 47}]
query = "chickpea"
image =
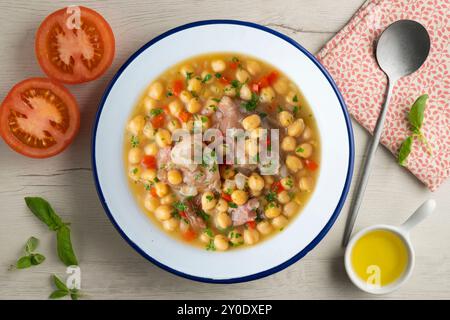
[
  {"x": 235, "y": 237},
  {"x": 229, "y": 90},
  {"x": 218, "y": 65},
  {"x": 149, "y": 131},
  {"x": 258, "y": 133},
  {"x": 293, "y": 163},
  {"x": 173, "y": 125},
  {"x": 151, "y": 149},
  {"x": 161, "y": 189},
  {"x": 168, "y": 199},
  {"x": 163, "y": 212},
  {"x": 151, "y": 203},
  {"x": 251, "y": 122},
  {"x": 170, "y": 224},
  {"x": 186, "y": 70},
  {"x": 239, "y": 197},
  {"x": 266, "y": 95},
  {"x": 222, "y": 205},
  {"x": 163, "y": 138},
  {"x": 268, "y": 181},
  {"x": 221, "y": 242},
  {"x": 174, "y": 177},
  {"x": 264, "y": 227},
  {"x": 136, "y": 125},
  {"x": 207, "y": 77},
  {"x": 255, "y": 193},
  {"x": 292, "y": 98},
  {"x": 287, "y": 183},
  {"x": 156, "y": 90},
  {"x": 134, "y": 173},
  {"x": 245, "y": 93},
  {"x": 296, "y": 128},
  {"x": 288, "y": 143},
  {"x": 251, "y": 148},
  {"x": 283, "y": 197},
  {"x": 135, "y": 155},
  {"x": 272, "y": 210},
  {"x": 185, "y": 96},
  {"x": 194, "y": 85},
  {"x": 281, "y": 86},
  {"x": 205, "y": 237},
  {"x": 251, "y": 236},
  {"x": 209, "y": 201},
  {"x": 256, "y": 182},
  {"x": 307, "y": 134},
  {"x": 242, "y": 75},
  {"x": 210, "y": 107},
  {"x": 194, "y": 105},
  {"x": 223, "y": 220},
  {"x": 175, "y": 107},
  {"x": 253, "y": 67},
  {"x": 306, "y": 184},
  {"x": 148, "y": 175},
  {"x": 285, "y": 118},
  {"x": 149, "y": 104},
  {"x": 279, "y": 222},
  {"x": 290, "y": 208},
  {"x": 304, "y": 150},
  {"x": 227, "y": 172}
]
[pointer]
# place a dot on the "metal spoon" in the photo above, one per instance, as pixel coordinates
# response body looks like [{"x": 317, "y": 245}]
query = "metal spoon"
[{"x": 401, "y": 49}]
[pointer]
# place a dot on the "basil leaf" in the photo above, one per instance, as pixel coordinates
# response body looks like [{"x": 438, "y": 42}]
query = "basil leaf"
[
  {"x": 24, "y": 262},
  {"x": 37, "y": 259},
  {"x": 58, "y": 294},
  {"x": 64, "y": 246},
  {"x": 31, "y": 245},
  {"x": 405, "y": 150},
  {"x": 44, "y": 212},
  {"x": 59, "y": 284},
  {"x": 416, "y": 114}
]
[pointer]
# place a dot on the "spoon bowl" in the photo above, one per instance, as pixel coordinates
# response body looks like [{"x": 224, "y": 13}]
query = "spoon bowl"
[{"x": 402, "y": 48}]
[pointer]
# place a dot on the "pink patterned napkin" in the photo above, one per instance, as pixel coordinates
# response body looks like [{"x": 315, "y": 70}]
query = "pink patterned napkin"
[{"x": 350, "y": 60}]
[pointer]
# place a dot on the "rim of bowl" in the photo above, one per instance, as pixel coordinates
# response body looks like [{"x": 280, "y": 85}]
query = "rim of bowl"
[
  {"x": 359, "y": 283},
  {"x": 345, "y": 189}
]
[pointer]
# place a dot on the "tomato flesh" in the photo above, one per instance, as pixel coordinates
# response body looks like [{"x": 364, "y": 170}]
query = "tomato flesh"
[
  {"x": 39, "y": 118},
  {"x": 75, "y": 55}
]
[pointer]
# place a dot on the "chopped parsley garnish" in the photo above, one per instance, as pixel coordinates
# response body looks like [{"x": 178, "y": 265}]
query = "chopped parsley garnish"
[
  {"x": 295, "y": 98},
  {"x": 134, "y": 141},
  {"x": 156, "y": 112},
  {"x": 232, "y": 205},
  {"x": 235, "y": 59},
  {"x": 179, "y": 206},
  {"x": 202, "y": 214},
  {"x": 135, "y": 170},
  {"x": 235, "y": 84},
  {"x": 209, "y": 232},
  {"x": 216, "y": 100},
  {"x": 147, "y": 186},
  {"x": 252, "y": 104},
  {"x": 300, "y": 149},
  {"x": 289, "y": 183},
  {"x": 209, "y": 198},
  {"x": 204, "y": 119},
  {"x": 271, "y": 196},
  {"x": 210, "y": 246},
  {"x": 262, "y": 115},
  {"x": 169, "y": 94},
  {"x": 295, "y": 110},
  {"x": 279, "y": 109},
  {"x": 218, "y": 75},
  {"x": 189, "y": 75},
  {"x": 207, "y": 78}
]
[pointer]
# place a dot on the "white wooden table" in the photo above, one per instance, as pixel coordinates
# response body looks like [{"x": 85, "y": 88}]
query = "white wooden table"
[{"x": 110, "y": 268}]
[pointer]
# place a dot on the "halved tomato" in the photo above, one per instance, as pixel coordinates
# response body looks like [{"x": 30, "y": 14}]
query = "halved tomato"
[
  {"x": 74, "y": 50},
  {"x": 39, "y": 118}
]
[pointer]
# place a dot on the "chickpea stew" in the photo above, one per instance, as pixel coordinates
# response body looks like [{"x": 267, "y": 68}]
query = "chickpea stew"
[{"x": 212, "y": 205}]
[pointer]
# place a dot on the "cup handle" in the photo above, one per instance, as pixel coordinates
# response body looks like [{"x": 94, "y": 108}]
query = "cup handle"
[{"x": 419, "y": 215}]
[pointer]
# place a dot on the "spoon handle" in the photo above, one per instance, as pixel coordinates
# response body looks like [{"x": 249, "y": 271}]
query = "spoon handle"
[{"x": 366, "y": 166}]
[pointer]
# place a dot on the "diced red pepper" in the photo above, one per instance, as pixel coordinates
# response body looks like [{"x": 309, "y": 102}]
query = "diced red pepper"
[
  {"x": 226, "y": 196},
  {"x": 183, "y": 214},
  {"x": 277, "y": 187},
  {"x": 158, "y": 121},
  {"x": 263, "y": 82},
  {"x": 255, "y": 87},
  {"x": 177, "y": 87},
  {"x": 149, "y": 162},
  {"x": 224, "y": 80},
  {"x": 272, "y": 77},
  {"x": 189, "y": 235},
  {"x": 184, "y": 116},
  {"x": 153, "y": 192},
  {"x": 234, "y": 65},
  {"x": 311, "y": 165},
  {"x": 251, "y": 224}
]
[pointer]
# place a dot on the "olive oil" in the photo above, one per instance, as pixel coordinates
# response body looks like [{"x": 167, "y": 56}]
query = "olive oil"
[{"x": 380, "y": 257}]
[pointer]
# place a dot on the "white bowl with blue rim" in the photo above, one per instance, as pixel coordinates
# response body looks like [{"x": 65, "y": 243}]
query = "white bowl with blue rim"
[{"x": 336, "y": 166}]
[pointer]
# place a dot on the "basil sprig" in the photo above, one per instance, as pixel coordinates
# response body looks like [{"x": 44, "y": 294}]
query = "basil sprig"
[
  {"x": 415, "y": 117},
  {"x": 62, "y": 290},
  {"x": 30, "y": 258},
  {"x": 44, "y": 212}
]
